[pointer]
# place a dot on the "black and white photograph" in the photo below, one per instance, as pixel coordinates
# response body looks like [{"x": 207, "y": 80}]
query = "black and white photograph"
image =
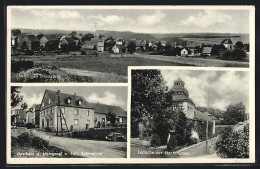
[
  {"x": 190, "y": 114},
  {"x": 68, "y": 122},
  {"x": 97, "y": 44}
]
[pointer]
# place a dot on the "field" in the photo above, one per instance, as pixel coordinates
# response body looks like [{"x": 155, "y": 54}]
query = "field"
[
  {"x": 97, "y": 64},
  {"x": 218, "y": 40}
]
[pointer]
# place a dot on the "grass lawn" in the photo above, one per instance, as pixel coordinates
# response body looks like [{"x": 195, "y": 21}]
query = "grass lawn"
[{"x": 100, "y": 64}]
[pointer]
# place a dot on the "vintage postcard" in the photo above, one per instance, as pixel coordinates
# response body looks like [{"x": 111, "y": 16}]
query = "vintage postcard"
[
  {"x": 130, "y": 84},
  {"x": 98, "y": 43}
]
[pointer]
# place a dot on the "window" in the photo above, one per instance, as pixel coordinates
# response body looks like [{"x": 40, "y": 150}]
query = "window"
[
  {"x": 51, "y": 121},
  {"x": 120, "y": 120},
  {"x": 76, "y": 111},
  {"x": 47, "y": 112},
  {"x": 42, "y": 104},
  {"x": 88, "y": 122},
  {"x": 79, "y": 102},
  {"x": 49, "y": 101},
  {"x": 87, "y": 112},
  {"x": 68, "y": 100},
  {"x": 103, "y": 119},
  {"x": 51, "y": 111},
  {"x": 76, "y": 121},
  {"x": 44, "y": 113}
]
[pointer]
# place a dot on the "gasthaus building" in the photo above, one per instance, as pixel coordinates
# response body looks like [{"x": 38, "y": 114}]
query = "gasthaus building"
[{"x": 73, "y": 113}]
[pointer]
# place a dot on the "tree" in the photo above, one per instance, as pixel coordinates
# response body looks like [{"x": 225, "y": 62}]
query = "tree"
[
  {"x": 87, "y": 37},
  {"x": 181, "y": 128},
  {"x": 216, "y": 49},
  {"x": 16, "y": 98},
  {"x": 150, "y": 104},
  {"x": 100, "y": 36},
  {"x": 239, "y": 45},
  {"x": 40, "y": 36},
  {"x": 16, "y": 32},
  {"x": 73, "y": 33},
  {"x": 234, "y": 114},
  {"x": 24, "y": 106},
  {"x": 131, "y": 47},
  {"x": 234, "y": 143},
  {"x": 112, "y": 118}
]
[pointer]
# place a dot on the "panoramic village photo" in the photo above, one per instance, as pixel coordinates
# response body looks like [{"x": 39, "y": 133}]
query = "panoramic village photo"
[
  {"x": 97, "y": 45},
  {"x": 189, "y": 114},
  {"x": 68, "y": 122}
]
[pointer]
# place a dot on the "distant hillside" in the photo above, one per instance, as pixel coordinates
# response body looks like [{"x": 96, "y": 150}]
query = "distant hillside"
[{"x": 214, "y": 37}]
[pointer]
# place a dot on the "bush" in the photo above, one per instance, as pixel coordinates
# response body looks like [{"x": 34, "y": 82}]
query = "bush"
[
  {"x": 236, "y": 54},
  {"x": 39, "y": 143},
  {"x": 18, "y": 66},
  {"x": 155, "y": 140},
  {"x": 25, "y": 139},
  {"x": 234, "y": 144}
]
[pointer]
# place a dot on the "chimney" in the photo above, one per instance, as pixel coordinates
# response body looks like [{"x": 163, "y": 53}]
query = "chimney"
[{"x": 74, "y": 94}]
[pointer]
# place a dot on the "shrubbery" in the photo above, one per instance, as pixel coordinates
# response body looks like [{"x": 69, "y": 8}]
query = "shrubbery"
[
  {"x": 26, "y": 139},
  {"x": 234, "y": 143},
  {"x": 96, "y": 134},
  {"x": 236, "y": 54},
  {"x": 18, "y": 66},
  {"x": 155, "y": 140}
]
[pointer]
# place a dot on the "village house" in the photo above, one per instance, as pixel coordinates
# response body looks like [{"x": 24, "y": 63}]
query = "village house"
[
  {"x": 18, "y": 117},
  {"x": 206, "y": 51},
  {"x": 100, "y": 46},
  {"x": 118, "y": 49},
  {"x": 32, "y": 116},
  {"x": 73, "y": 113},
  {"x": 119, "y": 41},
  {"x": 67, "y": 41},
  {"x": 227, "y": 43},
  {"x": 194, "y": 48},
  {"x": 64, "y": 111},
  {"x": 51, "y": 40},
  {"x": 100, "y": 115},
  {"x": 184, "y": 52},
  {"x": 28, "y": 42},
  {"x": 140, "y": 44}
]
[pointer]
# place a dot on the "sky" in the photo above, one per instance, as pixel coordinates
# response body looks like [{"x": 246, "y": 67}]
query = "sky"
[
  {"x": 221, "y": 87},
  {"x": 135, "y": 20},
  {"x": 108, "y": 95}
]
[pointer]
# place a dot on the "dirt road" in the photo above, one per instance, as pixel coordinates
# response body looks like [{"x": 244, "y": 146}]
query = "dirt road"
[{"x": 86, "y": 148}]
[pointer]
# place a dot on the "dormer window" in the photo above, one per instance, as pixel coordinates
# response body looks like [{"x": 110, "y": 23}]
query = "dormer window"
[
  {"x": 49, "y": 101},
  {"x": 42, "y": 104},
  {"x": 69, "y": 100},
  {"x": 79, "y": 102}
]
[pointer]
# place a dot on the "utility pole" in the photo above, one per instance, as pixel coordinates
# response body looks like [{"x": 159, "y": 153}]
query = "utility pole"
[
  {"x": 57, "y": 131},
  {"x": 207, "y": 127}
]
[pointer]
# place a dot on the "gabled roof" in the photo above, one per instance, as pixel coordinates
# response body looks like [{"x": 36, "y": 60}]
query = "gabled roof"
[
  {"x": 51, "y": 38},
  {"x": 202, "y": 116},
  {"x": 101, "y": 43},
  {"x": 32, "y": 38},
  {"x": 119, "y": 46},
  {"x": 227, "y": 41},
  {"x": 104, "y": 109},
  {"x": 69, "y": 40},
  {"x": 63, "y": 96},
  {"x": 206, "y": 50}
]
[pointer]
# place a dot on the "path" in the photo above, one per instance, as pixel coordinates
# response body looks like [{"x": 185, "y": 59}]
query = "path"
[{"x": 85, "y": 148}]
